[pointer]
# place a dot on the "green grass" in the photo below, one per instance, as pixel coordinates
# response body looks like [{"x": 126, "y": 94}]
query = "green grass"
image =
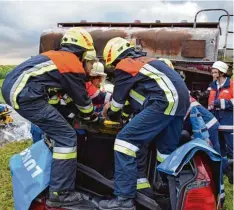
[
  {"x": 6, "y": 199},
  {"x": 1, "y": 98},
  {"x": 228, "y": 205},
  {"x": 6, "y": 152},
  {"x": 4, "y": 69}
]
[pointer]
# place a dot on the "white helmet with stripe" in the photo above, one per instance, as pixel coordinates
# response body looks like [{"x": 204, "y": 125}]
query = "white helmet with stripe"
[{"x": 97, "y": 70}]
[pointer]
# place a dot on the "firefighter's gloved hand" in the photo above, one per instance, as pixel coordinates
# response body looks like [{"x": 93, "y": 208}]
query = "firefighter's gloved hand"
[
  {"x": 124, "y": 120},
  {"x": 91, "y": 118}
]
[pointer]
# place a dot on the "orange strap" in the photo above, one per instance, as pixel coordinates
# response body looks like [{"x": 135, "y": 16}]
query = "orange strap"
[
  {"x": 66, "y": 62},
  {"x": 133, "y": 66}
]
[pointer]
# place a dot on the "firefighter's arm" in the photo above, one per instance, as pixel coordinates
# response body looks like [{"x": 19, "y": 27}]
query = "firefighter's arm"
[
  {"x": 97, "y": 96},
  {"x": 123, "y": 84},
  {"x": 101, "y": 97},
  {"x": 74, "y": 85},
  {"x": 224, "y": 104},
  {"x": 126, "y": 111}
]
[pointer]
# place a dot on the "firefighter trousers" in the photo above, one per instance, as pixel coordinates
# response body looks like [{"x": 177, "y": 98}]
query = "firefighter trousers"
[
  {"x": 50, "y": 121},
  {"x": 226, "y": 143},
  {"x": 142, "y": 129},
  {"x": 214, "y": 138}
]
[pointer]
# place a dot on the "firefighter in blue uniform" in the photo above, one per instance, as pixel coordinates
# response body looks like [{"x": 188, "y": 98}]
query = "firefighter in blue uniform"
[
  {"x": 164, "y": 100},
  {"x": 26, "y": 90}
]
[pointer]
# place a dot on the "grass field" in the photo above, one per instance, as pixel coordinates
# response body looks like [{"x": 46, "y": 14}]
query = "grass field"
[
  {"x": 6, "y": 199},
  {"x": 1, "y": 98},
  {"x": 3, "y": 72}
]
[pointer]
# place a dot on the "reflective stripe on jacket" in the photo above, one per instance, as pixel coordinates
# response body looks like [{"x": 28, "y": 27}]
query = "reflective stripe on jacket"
[
  {"x": 221, "y": 104},
  {"x": 53, "y": 69},
  {"x": 143, "y": 81}
]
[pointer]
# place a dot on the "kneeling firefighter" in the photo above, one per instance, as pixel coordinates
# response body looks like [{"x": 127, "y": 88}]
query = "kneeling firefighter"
[
  {"x": 164, "y": 100},
  {"x": 26, "y": 90}
]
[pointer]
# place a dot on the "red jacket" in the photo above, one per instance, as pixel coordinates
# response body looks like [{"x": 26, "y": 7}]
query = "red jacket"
[
  {"x": 98, "y": 97},
  {"x": 221, "y": 104}
]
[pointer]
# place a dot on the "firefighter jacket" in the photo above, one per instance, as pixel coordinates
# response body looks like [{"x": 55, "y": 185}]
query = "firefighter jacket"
[
  {"x": 33, "y": 78},
  {"x": 210, "y": 121},
  {"x": 220, "y": 103},
  {"x": 143, "y": 81},
  {"x": 98, "y": 97}
]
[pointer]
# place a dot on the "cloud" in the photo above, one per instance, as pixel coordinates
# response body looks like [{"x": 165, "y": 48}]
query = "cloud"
[
  {"x": 22, "y": 22},
  {"x": 169, "y": 12}
]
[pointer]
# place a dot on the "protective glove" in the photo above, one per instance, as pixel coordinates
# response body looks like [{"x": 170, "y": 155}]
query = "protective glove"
[{"x": 90, "y": 118}]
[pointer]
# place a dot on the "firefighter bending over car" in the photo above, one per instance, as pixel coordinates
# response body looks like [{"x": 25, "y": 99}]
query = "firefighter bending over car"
[
  {"x": 26, "y": 90},
  {"x": 64, "y": 103},
  {"x": 163, "y": 99}
]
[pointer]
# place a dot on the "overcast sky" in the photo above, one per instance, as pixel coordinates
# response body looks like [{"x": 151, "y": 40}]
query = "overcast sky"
[{"x": 22, "y": 22}]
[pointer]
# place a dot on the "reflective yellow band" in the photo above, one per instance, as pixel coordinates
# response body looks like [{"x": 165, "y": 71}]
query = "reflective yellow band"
[
  {"x": 127, "y": 103},
  {"x": 143, "y": 183},
  {"x": 53, "y": 101},
  {"x": 124, "y": 150},
  {"x": 125, "y": 114},
  {"x": 116, "y": 104},
  {"x": 68, "y": 100},
  {"x": 115, "y": 109},
  {"x": 161, "y": 157},
  {"x": 166, "y": 85},
  {"x": 64, "y": 156},
  {"x": 23, "y": 79},
  {"x": 143, "y": 186},
  {"x": 136, "y": 96},
  {"x": 64, "y": 149},
  {"x": 125, "y": 147},
  {"x": 87, "y": 109},
  {"x": 53, "y": 89}
]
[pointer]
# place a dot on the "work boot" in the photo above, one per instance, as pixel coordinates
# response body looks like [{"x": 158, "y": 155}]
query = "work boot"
[
  {"x": 62, "y": 199},
  {"x": 147, "y": 192},
  {"x": 229, "y": 171},
  {"x": 118, "y": 203}
]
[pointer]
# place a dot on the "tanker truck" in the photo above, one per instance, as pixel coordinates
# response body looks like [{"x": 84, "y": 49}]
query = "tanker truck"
[{"x": 191, "y": 46}]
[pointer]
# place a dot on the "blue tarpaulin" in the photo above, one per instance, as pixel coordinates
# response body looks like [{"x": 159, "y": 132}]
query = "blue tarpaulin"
[{"x": 30, "y": 172}]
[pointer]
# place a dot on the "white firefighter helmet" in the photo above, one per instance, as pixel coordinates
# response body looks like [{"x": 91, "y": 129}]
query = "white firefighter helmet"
[
  {"x": 90, "y": 55},
  {"x": 221, "y": 66},
  {"x": 97, "y": 70}
]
